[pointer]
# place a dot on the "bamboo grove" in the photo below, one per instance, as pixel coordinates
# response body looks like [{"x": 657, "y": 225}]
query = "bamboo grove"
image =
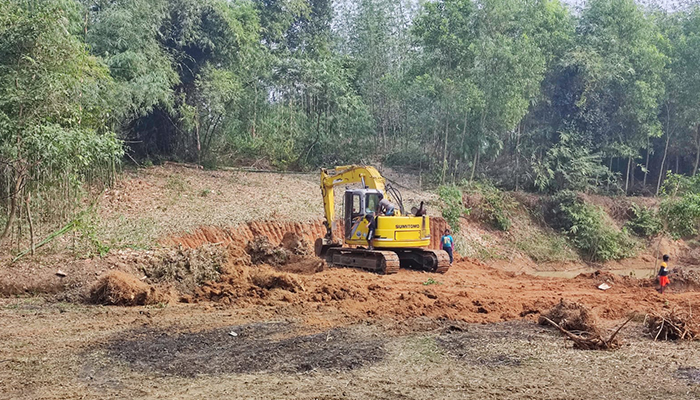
[{"x": 537, "y": 95}]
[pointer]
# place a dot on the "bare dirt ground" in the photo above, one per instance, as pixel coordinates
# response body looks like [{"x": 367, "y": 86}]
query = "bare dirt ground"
[
  {"x": 300, "y": 330},
  {"x": 348, "y": 334}
]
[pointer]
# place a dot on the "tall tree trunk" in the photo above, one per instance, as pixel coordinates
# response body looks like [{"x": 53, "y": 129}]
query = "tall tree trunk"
[
  {"x": 31, "y": 223},
  {"x": 646, "y": 165},
  {"x": 517, "y": 158},
  {"x": 444, "y": 152},
  {"x": 476, "y": 161},
  {"x": 627, "y": 176},
  {"x": 420, "y": 175},
  {"x": 199, "y": 143},
  {"x": 255, "y": 112},
  {"x": 697, "y": 147},
  {"x": 13, "y": 206},
  {"x": 464, "y": 136},
  {"x": 662, "y": 170}
]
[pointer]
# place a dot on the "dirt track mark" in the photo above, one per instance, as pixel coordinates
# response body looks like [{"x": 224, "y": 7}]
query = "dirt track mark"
[{"x": 264, "y": 347}]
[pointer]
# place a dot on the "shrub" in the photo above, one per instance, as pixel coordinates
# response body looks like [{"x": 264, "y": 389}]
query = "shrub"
[
  {"x": 452, "y": 205},
  {"x": 495, "y": 206},
  {"x": 682, "y": 215},
  {"x": 587, "y": 228},
  {"x": 677, "y": 185},
  {"x": 569, "y": 165},
  {"x": 644, "y": 221}
]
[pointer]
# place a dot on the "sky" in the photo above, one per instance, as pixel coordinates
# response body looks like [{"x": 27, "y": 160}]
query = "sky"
[{"x": 667, "y": 4}]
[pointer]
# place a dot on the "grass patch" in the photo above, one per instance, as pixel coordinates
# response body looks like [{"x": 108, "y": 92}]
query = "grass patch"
[
  {"x": 426, "y": 349},
  {"x": 126, "y": 233},
  {"x": 176, "y": 183},
  {"x": 546, "y": 247}
]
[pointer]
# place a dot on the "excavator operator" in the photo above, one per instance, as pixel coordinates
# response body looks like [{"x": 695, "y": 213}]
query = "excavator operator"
[{"x": 385, "y": 207}]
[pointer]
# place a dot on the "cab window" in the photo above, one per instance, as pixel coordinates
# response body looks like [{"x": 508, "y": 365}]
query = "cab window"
[
  {"x": 356, "y": 205},
  {"x": 372, "y": 202}
]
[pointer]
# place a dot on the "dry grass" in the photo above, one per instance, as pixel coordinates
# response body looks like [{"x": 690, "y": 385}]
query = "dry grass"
[
  {"x": 268, "y": 279},
  {"x": 155, "y": 202},
  {"x": 52, "y": 354}
]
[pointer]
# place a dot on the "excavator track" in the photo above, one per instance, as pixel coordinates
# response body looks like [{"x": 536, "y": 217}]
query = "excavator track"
[
  {"x": 437, "y": 261},
  {"x": 381, "y": 262}
]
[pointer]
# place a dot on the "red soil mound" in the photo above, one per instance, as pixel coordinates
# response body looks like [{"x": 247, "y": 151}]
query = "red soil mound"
[
  {"x": 122, "y": 289},
  {"x": 275, "y": 233},
  {"x": 469, "y": 291}
]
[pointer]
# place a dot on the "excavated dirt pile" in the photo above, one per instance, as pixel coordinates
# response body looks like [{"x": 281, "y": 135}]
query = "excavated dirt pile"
[
  {"x": 186, "y": 268},
  {"x": 682, "y": 278},
  {"x": 122, "y": 289},
  {"x": 263, "y": 268},
  {"x": 571, "y": 316},
  {"x": 261, "y": 251},
  {"x": 292, "y": 255}
]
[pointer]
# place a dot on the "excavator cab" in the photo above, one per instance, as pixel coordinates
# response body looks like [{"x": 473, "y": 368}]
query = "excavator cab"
[{"x": 360, "y": 209}]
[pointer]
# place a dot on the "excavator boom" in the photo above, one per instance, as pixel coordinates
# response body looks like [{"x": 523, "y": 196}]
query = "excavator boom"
[{"x": 347, "y": 174}]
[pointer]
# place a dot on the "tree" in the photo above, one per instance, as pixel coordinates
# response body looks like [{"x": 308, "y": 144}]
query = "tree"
[
  {"x": 491, "y": 66},
  {"x": 53, "y": 116},
  {"x": 615, "y": 74}
]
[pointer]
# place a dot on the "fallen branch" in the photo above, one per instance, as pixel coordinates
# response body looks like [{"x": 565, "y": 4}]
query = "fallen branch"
[
  {"x": 594, "y": 342},
  {"x": 675, "y": 325},
  {"x": 69, "y": 227}
]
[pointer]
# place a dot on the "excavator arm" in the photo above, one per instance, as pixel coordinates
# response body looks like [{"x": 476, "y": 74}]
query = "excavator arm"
[{"x": 347, "y": 174}]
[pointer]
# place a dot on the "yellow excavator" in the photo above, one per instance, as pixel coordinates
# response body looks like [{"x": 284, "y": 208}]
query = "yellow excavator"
[{"x": 372, "y": 241}]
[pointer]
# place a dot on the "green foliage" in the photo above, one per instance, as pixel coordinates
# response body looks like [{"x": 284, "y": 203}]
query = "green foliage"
[
  {"x": 681, "y": 215},
  {"x": 678, "y": 185},
  {"x": 431, "y": 281},
  {"x": 87, "y": 225},
  {"x": 524, "y": 93},
  {"x": 496, "y": 205},
  {"x": 569, "y": 165},
  {"x": 588, "y": 229},
  {"x": 680, "y": 208},
  {"x": 644, "y": 221},
  {"x": 54, "y": 109},
  {"x": 452, "y": 205}
]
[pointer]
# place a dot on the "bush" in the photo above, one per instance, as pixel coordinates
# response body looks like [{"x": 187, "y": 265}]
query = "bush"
[
  {"x": 452, "y": 205},
  {"x": 644, "y": 221},
  {"x": 569, "y": 165},
  {"x": 682, "y": 215},
  {"x": 587, "y": 228},
  {"x": 677, "y": 185},
  {"x": 495, "y": 206}
]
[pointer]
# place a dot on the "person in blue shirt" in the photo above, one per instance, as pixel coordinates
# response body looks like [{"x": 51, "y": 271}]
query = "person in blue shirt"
[{"x": 447, "y": 243}]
